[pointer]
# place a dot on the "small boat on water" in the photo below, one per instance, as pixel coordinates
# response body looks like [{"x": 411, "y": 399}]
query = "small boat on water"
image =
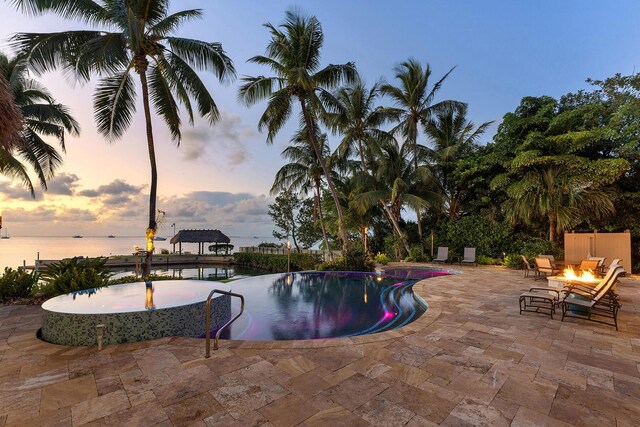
[
  {"x": 160, "y": 239},
  {"x": 77, "y": 237},
  {"x": 111, "y": 236},
  {"x": 6, "y": 234}
]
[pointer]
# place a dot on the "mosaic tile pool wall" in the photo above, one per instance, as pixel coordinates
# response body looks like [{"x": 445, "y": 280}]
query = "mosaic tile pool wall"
[{"x": 80, "y": 329}]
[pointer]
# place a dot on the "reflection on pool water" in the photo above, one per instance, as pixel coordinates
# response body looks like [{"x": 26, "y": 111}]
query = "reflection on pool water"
[{"x": 313, "y": 305}]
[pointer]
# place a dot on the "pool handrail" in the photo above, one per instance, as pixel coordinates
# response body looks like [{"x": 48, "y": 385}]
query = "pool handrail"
[{"x": 208, "y": 320}]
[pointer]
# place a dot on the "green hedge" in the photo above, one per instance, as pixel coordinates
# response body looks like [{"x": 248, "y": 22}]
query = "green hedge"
[{"x": 277, "y": 263}]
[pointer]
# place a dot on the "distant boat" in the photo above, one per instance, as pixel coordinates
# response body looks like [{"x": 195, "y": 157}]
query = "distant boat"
[
  {"x": 6, "y": 235},
  {"x": 111, "y": 236},
  {"x": 77, "y": 237},
  {"x": 160, "y": 239}
]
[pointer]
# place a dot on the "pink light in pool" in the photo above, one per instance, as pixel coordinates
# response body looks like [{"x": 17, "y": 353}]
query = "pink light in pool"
[
  {"x": 398, "y": 284},
  {"x": 388, "y": 315}
]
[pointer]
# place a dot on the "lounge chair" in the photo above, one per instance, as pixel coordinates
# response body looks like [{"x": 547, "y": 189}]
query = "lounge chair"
[
  {"x": 600, "y": 260},
  {"x": 544, "y": 268},
  {"x": 602, "y": 304},
  {"x": 443, "y": 254},
  {"x": 528, "y": 268},
  {"x": 591, "y": 291},
  {"x": 589, "y": 265},
  {"x": 469, "y": 256}
]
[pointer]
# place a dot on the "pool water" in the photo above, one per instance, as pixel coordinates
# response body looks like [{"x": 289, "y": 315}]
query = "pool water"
[{"x": 316, "y": 305}]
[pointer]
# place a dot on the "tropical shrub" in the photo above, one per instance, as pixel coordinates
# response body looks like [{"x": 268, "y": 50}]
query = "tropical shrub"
[
  {"x": 382, "y": 258},
  {"x": 512, "y": 261},
  {"x": 75, "y": 274},
  {"x": 356, "y": 259},
  {"x": 485, "y": 260},
  {"x": 532, "y": 247},
  {"x": 17, "y": 283},
  {"x": 277, "y": 263},
  {"x": 416, "y": 255},
  {"x": 164, "y": 251},
  {"x": 475, "y": 231}
]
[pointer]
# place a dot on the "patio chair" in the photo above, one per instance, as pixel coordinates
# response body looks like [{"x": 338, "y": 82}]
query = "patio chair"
[
  {"x": 602, "y": 304},
  {"x": 549, "y": 257},
  {"x": 443, "y": 254},
  {"x": 589, "y": 265},
  {"x": 528, "y": 268},
  {"x": 544, "y": 268},
  {"x": 600, "y": 260},
  {"x": 589, "y": 291},
  {"x": 469, "y": 256}
]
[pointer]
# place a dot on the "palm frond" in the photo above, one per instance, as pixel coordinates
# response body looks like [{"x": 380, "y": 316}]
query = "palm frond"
[
  {"x": 202, "y": 55},
  {"x": 114, "y": 104}
]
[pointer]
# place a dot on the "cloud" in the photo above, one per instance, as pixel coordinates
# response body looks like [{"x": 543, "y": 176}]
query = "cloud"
[
  {"x": 63, "y": 184},
  {"x": 48, "y": 214},
  {"x": 115, "y": 188},
  {"x": 227, "y": 139},
  {"x": 9, "y": 192}
]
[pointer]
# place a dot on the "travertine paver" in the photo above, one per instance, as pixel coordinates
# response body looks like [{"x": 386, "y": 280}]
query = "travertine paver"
[{"x": 470, "y": 360}]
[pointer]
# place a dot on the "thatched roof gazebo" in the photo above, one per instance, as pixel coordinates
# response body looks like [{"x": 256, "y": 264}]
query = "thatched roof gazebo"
[
  {"x": 10, "y": 118},
  {"x": 200, "y": 237}
]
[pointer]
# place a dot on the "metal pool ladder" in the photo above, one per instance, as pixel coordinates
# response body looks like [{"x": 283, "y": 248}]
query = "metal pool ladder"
[{"x": 208, "y": 319}]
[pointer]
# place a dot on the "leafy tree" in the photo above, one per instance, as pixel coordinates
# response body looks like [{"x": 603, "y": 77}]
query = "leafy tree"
[
  {"x": 293, "y": 55},
  {"x": 283, "y": 214},
  {"x": 136, "y": 38},
  {"x": 309, "y": 231},
  {"x": 42, "y": 117}
]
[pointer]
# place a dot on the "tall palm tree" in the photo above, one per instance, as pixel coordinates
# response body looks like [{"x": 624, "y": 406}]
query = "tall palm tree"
[
  {"x": 303, "y": 173},
  {"x": 559, "y": 193},
  {"x": 414, "y": 104},
  {"x": 359, "y": 122},
  {"x": 42, "y": 117},
  {"x": 11, "y": 123},
  {"x": 453, "y": 137},
  {"x": 395, "y": 184},
  {"x": 137, "y": 40},
  {"x": 293, "y": 55}
]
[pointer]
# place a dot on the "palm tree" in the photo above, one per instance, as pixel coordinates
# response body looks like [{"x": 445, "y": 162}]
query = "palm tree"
[
  {"x": 42, "y": 117},
  {"x": 395, "y": 184},
  {"x": 303, "y": 173},
  {"x": 453, "y": 137},
  {"x": 11, "y": 123},
  {"x": 414, "y": 104},
  {"x": 558, "y": 192},
  {"x": 359, "y": 122},
  {"x": 293, "y": 55},
  {"x": 140, "y": 42}
]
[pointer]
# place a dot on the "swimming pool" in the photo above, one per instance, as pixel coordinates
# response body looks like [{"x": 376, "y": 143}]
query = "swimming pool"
[{"x": 316, "y": 305}]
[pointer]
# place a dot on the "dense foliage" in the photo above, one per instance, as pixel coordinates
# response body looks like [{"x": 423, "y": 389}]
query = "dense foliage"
[
  {"x": 277, "y": 263},
  {"x": 16, "y": 284},
  {"x": 74, "y": 274}
]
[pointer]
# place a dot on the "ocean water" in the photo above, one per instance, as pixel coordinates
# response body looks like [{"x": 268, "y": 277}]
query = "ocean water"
[{"x": 17, "y": 251}]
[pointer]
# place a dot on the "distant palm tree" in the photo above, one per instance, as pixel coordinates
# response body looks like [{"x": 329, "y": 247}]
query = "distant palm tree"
[
  {"x": 395, "y": 184},
  {"x": 138, "y": 41},
  {"x": 42, "y": 117},
  {"x": 303, "y": 172},
  {"x": 558, "y": 193},
  {"x": 453, "y": 137},
  {"x": 359, "y": 122},
  {"x": 414, "y": 104},
  {"x": 293, "y": 54}
]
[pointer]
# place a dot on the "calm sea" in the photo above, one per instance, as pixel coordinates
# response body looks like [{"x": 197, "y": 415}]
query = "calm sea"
[{"x": 16, "y": 251}]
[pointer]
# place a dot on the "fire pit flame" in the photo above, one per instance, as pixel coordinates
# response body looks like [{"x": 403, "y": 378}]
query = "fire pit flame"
[{"x": 581, "y": 276}]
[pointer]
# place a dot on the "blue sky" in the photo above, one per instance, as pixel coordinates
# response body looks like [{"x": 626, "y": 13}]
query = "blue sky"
[{"x": 503, "y": 50}]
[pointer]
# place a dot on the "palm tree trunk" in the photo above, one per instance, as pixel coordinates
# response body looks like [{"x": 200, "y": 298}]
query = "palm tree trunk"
[
  {"x": 320, "y": 217},
  {"x": 327, "y": 174},
  {"x": 419, "y": 227},
  {"x": 146, "y": 268},
  {"x": 552, "y": 228},
  {"x": 362, "y": 162},
  {"x": 395, "y": 225}
]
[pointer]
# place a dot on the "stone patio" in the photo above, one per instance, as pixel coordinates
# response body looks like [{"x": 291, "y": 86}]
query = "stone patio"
[{"x": 470, "y": 360}]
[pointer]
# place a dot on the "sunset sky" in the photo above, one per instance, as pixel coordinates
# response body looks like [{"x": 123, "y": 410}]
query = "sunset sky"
[{"x": 220, "y": 176}]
